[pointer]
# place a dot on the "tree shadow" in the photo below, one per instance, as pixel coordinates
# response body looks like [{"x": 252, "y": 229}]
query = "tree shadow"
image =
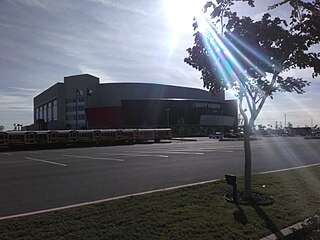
[
  {"x": 270, "y": 224},
  {"x": 240, "y": 216}
]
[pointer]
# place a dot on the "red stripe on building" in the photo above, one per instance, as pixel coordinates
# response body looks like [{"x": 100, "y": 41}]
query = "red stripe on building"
[{"x": 104, "y": 117}]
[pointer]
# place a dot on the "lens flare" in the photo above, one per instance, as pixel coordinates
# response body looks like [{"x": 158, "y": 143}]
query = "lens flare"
[{"x": 230, "y": 68}]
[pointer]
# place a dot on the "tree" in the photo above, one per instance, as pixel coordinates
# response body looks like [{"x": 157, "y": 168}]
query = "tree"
[
  {"x": 1, "y": 128},
  {"x": 250, "y": 56}
]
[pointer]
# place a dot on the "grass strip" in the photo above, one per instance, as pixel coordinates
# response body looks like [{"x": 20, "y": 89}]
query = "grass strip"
[{"x": 197, "y": 212}]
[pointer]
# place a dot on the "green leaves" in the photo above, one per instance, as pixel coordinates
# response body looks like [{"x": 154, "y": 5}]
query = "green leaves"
[
  {"x": 292, "y": 84},
  {"x": 247, "y": 51}
]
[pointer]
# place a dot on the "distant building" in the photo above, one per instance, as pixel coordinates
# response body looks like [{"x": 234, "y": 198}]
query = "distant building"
[{"x": 82, "y": 102}]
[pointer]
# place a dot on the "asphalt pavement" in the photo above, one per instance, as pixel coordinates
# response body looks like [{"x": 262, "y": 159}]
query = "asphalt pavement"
[{"x": 36, "y": 180}]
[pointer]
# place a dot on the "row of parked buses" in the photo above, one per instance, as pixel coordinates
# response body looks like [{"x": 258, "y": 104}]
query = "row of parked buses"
[{"x": 72, "y": 137}]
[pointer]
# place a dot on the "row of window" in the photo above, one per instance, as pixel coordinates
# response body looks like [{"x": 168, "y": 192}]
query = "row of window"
[
  {"x": 74, "y": 108},
  {"x": 74, "y": 117},
  {"x": 73, "y": 100},
  {"x": 48, "y": 111}
]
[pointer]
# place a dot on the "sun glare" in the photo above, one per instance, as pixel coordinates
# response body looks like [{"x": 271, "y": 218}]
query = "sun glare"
[{"x": 180, "y": 13}]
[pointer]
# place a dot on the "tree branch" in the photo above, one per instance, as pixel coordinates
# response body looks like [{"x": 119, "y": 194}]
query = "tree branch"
[
  {"x": 242, "y": 111},
  {"x": 264, "y": 98}
]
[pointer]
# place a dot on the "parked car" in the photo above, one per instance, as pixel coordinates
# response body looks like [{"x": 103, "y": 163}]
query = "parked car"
[{"x": 216, "y": 135}]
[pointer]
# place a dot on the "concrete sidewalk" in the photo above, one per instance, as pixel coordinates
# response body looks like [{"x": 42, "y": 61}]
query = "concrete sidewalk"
[{"x": 286, "y": 231}]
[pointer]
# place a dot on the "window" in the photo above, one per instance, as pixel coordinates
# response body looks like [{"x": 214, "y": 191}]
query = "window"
[
  {"x": 74, "y": 108},
  {"x": 41, "y": 112},
  {"x": 73, "y": 100},
  {"x": 49, "y": 111},
  {"x": 37, "y": 114},
  {"x": 69, "y": 118},
  {"x": 55, "y": 110},
  {"x": 69, "y": 109},
  {"x": 45, "y": 115}
]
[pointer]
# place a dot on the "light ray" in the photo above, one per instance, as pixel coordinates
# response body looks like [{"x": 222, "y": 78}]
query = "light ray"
[
  {"x": 253, "y": 51},
  {"x": 231, "y": 68}
]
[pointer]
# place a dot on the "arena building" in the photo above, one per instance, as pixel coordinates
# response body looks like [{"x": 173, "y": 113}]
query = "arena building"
[{"x": 82, "y": 102}]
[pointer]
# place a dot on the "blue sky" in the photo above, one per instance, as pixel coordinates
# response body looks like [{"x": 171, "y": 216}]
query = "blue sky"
[{"x": 41, "y": 41}]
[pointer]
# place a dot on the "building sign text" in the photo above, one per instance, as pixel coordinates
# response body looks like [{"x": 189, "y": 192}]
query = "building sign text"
[{"x": 205, "y": 105}]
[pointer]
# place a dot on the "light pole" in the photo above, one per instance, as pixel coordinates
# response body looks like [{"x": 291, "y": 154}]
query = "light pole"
[{"x": 168, "y": 116}]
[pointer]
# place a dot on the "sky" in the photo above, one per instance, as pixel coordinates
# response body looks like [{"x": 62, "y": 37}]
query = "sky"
[{"x": 42, "y": 41}]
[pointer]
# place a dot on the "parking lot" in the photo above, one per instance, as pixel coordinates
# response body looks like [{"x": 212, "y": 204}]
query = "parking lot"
[{"x": 44, "y": 179}]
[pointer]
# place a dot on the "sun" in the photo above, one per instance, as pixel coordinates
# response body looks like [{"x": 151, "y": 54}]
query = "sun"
[{"x": 180, "y": 13}]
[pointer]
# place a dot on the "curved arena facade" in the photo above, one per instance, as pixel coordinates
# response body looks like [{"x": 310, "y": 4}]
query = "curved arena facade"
[{"x": 82, "y": 102}]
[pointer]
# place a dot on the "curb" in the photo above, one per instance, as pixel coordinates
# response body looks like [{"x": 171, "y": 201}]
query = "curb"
[
  {"x": 286, "y": 231},
  {"x": 49, "y": 210}
]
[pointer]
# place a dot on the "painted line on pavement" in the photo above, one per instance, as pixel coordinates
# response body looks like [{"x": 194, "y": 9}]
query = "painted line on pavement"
[
  {"x": 45, "y": 161},
  {"x": 133, "y": 195},
  {"x": 95, "y": 158},
  {"x": 10, "y": 154},
  {"x": 12, "y": 162},
  {"x": 134, "y": 155},
  {"x": 205, "y": 150},
  {"x": 185, "y": 152},
  {"x": 173, "y": 152},
  {"x": 102, "y": 200},
  {"x": 293, "y": 168}
]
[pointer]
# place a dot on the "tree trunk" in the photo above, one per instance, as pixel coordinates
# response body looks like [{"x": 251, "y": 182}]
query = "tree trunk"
[{"x": 247, "y": 154}]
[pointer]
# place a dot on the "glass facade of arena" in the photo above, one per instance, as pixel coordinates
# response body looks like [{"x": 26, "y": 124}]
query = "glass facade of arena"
[
  {"x": 47, "y": 111},
  {"x": 73, "y": 116}
]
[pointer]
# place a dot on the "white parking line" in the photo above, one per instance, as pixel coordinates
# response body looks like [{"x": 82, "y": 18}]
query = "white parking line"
[
  {"x": 134, "y": 155},
  {"x": 223, "y": 151},
  {"x": 292, "y": 168},
  {"x": 95, "y": 158},
  {"x": 10, "y": 154},
  {"x": 41, "y": 160},
  {"x": 204, "y": 150},
  {"x": 174, "y": 152},
  {"x": 11, "y": 162},
  {"x": 185, "y": 152}
]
